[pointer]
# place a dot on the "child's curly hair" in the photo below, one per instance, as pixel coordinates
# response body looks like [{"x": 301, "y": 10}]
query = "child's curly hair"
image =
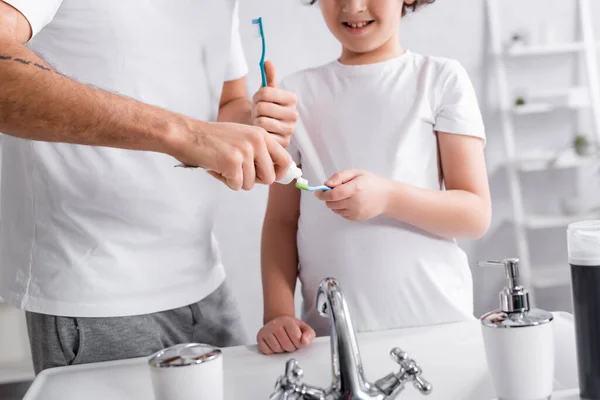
[
  {"x": 415, "y": 5},
  {"x": 406, "y": 7}
]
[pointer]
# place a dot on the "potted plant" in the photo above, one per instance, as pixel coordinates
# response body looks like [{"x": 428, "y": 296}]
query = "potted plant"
[
  {"x": 581, "y": 145},
  {"x": 517, "y": 39}
]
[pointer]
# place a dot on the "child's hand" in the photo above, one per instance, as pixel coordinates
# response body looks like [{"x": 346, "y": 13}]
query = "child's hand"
[
  {"x": 284, "y": 334},
  {"x": 274, "y": 109},
  {"x": 356, "y": 195}
]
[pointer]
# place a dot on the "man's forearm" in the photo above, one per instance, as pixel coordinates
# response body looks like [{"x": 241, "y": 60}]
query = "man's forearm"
[
  {"x": 450, "y": 214},
  {"x": 238, "y": 110},
  {"x": 40, "y": 104}
]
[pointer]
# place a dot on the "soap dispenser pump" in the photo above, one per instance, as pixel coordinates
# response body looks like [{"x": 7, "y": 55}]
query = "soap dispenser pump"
[{"x": 519, "y": 341}]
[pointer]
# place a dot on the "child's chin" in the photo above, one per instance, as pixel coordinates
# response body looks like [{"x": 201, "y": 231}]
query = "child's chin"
[{"x": 362, "y": 46}]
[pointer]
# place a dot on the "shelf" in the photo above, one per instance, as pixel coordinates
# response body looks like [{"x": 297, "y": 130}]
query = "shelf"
[
  {"x": 549, "y": 162},
  {"x": 549, "y": 93},
  {"x": 549, "y": 50},
  {"x": 538, "y": 108},
  {"x": 542, "y": 221},
  {"x": 544, "y": 165},
  {"x": 544, "y": 108},
  {"x": 551, "y": 276}
]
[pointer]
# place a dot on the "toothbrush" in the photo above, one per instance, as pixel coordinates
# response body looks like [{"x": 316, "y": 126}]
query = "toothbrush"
[
  {"x": 302, "y": 184},
  {"x": 261, "y": 33}
]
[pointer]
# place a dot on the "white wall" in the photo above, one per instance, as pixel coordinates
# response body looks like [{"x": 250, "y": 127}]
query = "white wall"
[{"x": 297, "y": 38}]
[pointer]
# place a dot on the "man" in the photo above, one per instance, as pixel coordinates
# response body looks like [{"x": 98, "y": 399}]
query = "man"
[{"x": 105, "y": 244}]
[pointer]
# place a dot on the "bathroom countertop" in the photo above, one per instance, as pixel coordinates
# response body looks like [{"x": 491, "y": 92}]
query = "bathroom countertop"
[{"x": 452, "y": 357}]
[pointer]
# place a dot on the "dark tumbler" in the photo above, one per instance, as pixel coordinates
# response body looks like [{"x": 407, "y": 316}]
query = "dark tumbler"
[{"x": 584, "y": 256}]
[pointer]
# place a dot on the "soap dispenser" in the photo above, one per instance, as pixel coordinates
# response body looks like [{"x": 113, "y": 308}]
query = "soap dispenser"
[{"x": 519, "y": 342}]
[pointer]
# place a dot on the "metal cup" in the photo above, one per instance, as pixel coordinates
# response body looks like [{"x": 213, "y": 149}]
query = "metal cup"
[{"x": 187, "y": 371}]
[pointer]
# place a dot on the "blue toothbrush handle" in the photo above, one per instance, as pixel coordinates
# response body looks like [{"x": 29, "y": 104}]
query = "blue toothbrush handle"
[
  {"x": 319, "y": 188},
  {"x": 263, "y": 74},
  {"x": 261, "y": 31}
]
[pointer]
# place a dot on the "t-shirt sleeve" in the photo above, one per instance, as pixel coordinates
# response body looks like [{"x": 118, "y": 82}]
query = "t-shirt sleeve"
[
  {"x": 458, "y": 110},
  {"x": 39, "y": 13},
  {"x": 237, "y": 66}
]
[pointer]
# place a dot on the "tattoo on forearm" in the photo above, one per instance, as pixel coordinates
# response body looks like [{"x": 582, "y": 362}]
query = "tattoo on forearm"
[
  {"x": 42, "y": 67},
  {"x": 24, "y": 62}
]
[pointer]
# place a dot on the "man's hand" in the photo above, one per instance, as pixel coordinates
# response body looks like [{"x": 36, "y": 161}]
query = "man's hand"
[
  {"x": 284, "y": 334},
  {"x": 356, "y": 195},
  {"x": 274, "y": 109},
  {"x": 238, "y": 155}
]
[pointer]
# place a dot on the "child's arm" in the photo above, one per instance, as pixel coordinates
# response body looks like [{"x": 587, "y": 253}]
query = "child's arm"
[
  {"x": 462, "y": 210},
  {"x": 279, "y": 254},
  {"x": 279, "y": 264}
]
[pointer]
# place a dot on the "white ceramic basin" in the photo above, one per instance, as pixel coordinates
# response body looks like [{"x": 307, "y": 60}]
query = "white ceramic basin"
[{"x": 452, "y": 357}]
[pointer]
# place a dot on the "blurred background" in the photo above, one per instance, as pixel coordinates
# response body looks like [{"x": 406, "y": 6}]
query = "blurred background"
[{"x": 534, "y": 66}]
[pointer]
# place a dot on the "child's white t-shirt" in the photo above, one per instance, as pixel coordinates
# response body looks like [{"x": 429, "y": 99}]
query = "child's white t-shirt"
[{"x": 381, "y": 118}]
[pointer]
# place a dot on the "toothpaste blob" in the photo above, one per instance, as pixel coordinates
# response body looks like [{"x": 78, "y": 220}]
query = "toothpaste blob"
[{"x": 302, "y": 184}]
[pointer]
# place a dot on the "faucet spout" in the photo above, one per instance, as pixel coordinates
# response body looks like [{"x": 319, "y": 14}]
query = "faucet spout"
[
  {"x": 349, "y": 382},
  {"x": 348, "y": 373}
]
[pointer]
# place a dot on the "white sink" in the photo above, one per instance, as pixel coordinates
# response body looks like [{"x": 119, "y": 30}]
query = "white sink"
[{"x": 452, "y": 357}]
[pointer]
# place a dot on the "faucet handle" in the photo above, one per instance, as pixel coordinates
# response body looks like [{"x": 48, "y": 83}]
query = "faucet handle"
[
  {"x": 290, "y": 387},
  {"x": 399, "y": 356},
  {"x": 293, "y": 372},
  {"x": 411, "y": 370},
  {"x": 422, "y": 385},
  {"x": 287, "y": 384}
]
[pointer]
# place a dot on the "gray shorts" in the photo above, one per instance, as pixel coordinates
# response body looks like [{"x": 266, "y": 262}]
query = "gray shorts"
[{"x": 60, "y": 341}]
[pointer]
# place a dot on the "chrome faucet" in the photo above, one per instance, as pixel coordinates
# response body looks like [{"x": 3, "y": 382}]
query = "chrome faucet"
[{"x": 349, "y": 382}]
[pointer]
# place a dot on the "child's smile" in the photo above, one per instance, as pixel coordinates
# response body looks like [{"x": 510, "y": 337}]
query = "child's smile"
[
  {"x": 367, "y": 29},
  {"x": 358, "y": 27}
]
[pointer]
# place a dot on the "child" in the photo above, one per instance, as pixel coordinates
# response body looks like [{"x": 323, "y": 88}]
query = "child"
[{"x": 406, "y": 135}]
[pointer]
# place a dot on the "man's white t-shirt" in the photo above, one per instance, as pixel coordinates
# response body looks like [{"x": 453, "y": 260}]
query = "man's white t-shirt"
[
  {"x": 382, "y": 118},
  {"x": 97, "y": 232}
]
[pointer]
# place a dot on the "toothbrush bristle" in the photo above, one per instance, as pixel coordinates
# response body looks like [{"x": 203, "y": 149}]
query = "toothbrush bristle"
[
  {"x": 301, "y": 186},
  {"x": 258, "y": 23}
]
